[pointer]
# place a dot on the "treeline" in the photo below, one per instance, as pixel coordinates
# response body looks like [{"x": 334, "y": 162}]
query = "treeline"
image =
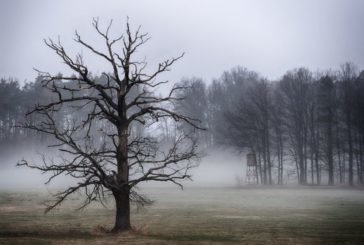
[
  {"x": 15, "y": 102},
  {"x": 306, "y": 125}
]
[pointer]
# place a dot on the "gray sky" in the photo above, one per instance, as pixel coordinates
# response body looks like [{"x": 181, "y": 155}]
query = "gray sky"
[{"x": 268, "y": 36}]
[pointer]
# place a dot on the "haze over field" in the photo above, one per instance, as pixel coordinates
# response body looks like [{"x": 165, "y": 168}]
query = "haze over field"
[{"x": 220, "y": 168}]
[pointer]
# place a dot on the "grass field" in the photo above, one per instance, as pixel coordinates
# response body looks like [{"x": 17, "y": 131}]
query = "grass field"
[{"x": 299, "y": 215}]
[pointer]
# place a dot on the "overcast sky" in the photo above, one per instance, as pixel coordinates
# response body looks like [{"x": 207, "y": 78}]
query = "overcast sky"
[{"x": 268, "y": 36}]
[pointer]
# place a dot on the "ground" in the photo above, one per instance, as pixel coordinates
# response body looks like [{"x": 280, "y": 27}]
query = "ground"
[{"x": 247, "y": 215}]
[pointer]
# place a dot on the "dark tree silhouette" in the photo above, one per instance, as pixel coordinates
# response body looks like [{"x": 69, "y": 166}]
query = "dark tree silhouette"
[
  {"x": 194, "y": 105},
  {"x": 101, "y": 147},
  {"x": 294, "y": 91},
  {"x": 326, "y": 111},
  {"x": 347, "y": 78}
]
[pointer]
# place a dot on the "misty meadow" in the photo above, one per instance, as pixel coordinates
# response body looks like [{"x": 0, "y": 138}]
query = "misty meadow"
[{"x": 248, "y": 142}]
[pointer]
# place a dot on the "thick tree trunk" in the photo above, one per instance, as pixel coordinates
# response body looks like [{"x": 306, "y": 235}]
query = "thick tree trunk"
[
  {"x": 301, "y": 164},
  {"x": 361, "y": 160},
  {"x": 260, "y": 167},
  {"x": 265, "y": 167},
  {"x": 305, "y": 155},
  {"x": 330, "y": 154},
  {"x": 318, "y": 170},
  {"x": 351, "y": 171},
  {"x": 302, "y": 171},
  {"x": 338, "y": 147},
  {"x": 312, "y": 142},
  {"x": 280, "y": 160},
  {"x": 122, "y": 194},
  {"x": 122, "y": 205},
  {"x": 269, "y": 161}
]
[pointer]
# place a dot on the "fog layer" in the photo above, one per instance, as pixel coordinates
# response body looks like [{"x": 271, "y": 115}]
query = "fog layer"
[{"x": 220, "y": 168}]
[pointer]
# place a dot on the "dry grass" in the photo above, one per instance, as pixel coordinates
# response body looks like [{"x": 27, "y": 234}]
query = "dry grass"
[{"x": 195, "y": 216}]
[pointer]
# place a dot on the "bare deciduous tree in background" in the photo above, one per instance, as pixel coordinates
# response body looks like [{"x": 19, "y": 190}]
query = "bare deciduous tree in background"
[{"x": 112, "y": 158}]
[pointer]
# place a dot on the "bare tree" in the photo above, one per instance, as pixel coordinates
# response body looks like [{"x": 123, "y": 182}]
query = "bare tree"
[
  {"x": 99, "y": 146},
  {"x": 294, "y": 89},
  {"x": 194, "y": 105},
  {"x": 346, "y": 83},
  {"x": 279, "y": 136},
  {"x": 326, "y": 111}
]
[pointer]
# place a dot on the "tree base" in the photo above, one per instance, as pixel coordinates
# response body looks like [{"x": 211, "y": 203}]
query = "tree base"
[{"x": 121, "y": 229}]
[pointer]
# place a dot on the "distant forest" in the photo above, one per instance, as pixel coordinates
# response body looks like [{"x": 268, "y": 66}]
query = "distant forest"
[{"x": 309, "y": 125}]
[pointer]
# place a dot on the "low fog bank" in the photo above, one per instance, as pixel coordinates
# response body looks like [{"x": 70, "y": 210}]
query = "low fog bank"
[
  {"x": 13, "y": 177},
  {"x": 220, "y": 167}
]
